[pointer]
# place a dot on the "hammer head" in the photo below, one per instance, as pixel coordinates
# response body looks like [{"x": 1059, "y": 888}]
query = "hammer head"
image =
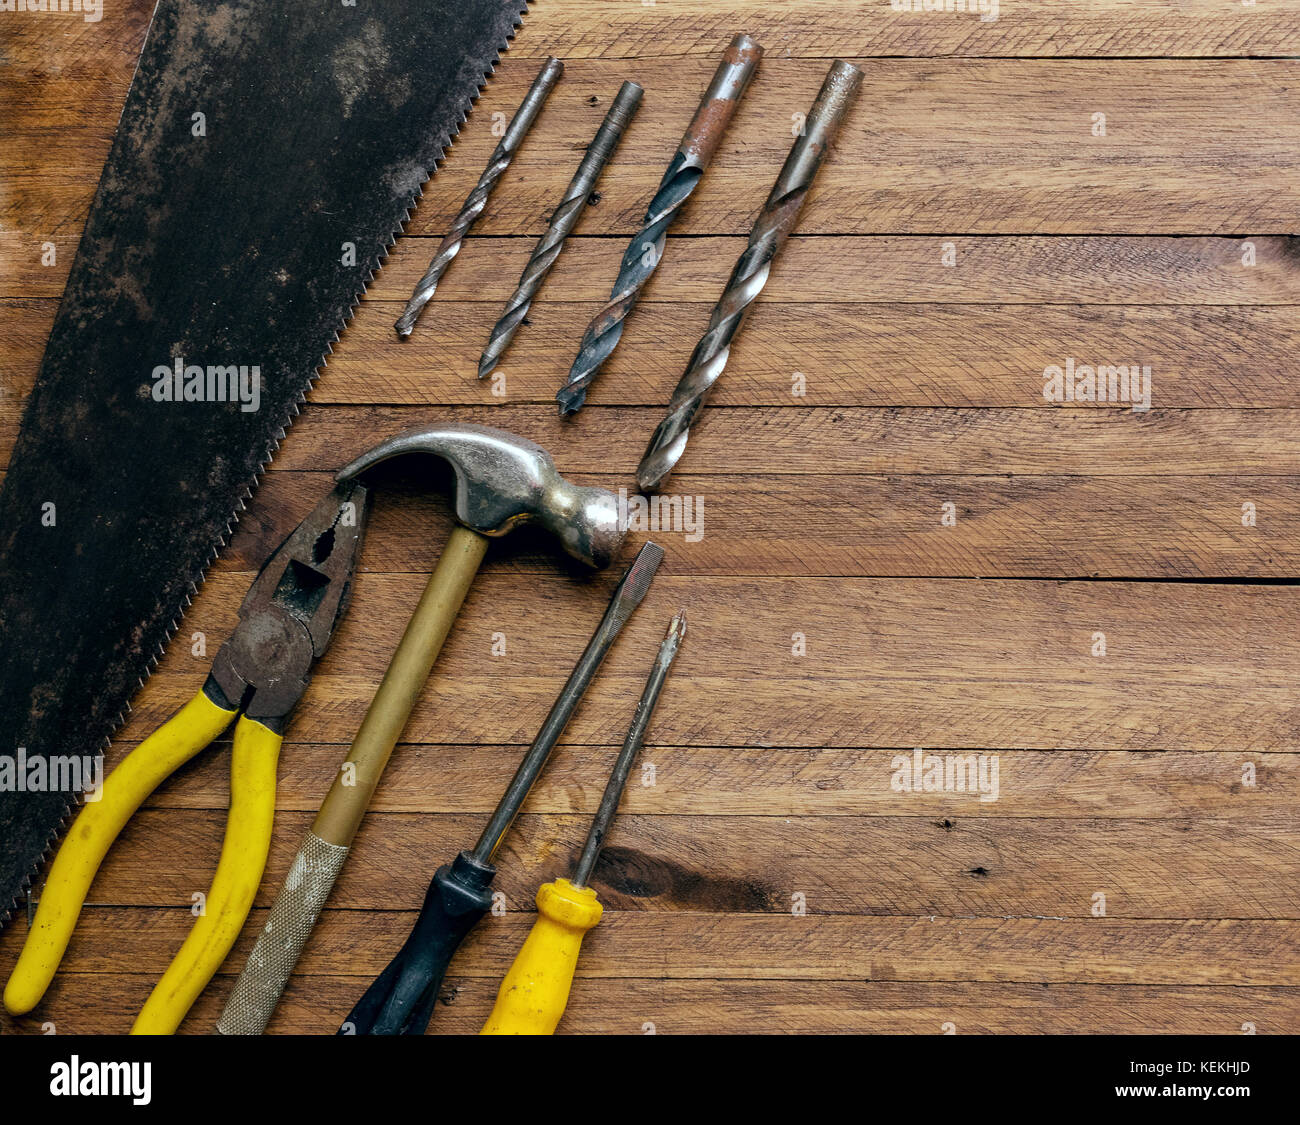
[{"x": 503, "y": 480}]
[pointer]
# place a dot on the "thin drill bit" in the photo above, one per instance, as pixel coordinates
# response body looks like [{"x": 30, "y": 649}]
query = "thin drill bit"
[
  {"x": 499, "y": 161},
  {"x": 771, "y": 229},
  {"x": 627, "y": 596},
  {"x": 631, "y": 747},
  {"x": 644, "y": 252},
  {"x": 563, "y": 220}
]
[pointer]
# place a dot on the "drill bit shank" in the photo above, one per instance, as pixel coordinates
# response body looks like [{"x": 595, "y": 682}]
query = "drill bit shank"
[
  {"x": 645, "y": 250},
  {"x": 499, "y": 161},
  {"x": 769, "y": 234},
  {"x": 563, "y": 220}
]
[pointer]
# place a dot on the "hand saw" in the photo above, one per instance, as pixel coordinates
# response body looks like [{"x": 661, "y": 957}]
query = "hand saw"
[{"x": 267, "y": 156}]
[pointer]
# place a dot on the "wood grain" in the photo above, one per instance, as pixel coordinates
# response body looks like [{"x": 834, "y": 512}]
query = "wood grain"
[
  {"x": 1163, "y": 775},
  {"x": 935, "y": 663},
  {"x": 668, "y": 1006},
  {"x": 957, "y": 866},
  {"x": 859, "y": 525},
  {"x": 632, "y": 945},
  {"x": 954, "y": 146},
  {"x": 778, "y": 781}
]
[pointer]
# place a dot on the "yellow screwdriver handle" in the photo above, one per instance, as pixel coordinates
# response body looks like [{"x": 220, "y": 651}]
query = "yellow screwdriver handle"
[
  {"x": 93, "y": 832},
  {"x": 535, "y": 991},
  {"x": 253, "y": 761}
]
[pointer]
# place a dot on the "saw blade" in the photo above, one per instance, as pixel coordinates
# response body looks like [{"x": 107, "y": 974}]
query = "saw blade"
[{"x": 267, "y": 157}]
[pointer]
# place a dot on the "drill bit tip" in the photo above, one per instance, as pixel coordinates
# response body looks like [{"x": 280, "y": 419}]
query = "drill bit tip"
[
  {"x": 749, "y": 275},
  {"x": 644, "y": 252},
  {"x": 570, "y": 399},
  {"x": 664, "y": 451}
]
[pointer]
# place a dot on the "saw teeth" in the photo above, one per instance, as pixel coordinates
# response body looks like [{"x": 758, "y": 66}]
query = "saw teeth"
[{"x": 193, "y": 583}]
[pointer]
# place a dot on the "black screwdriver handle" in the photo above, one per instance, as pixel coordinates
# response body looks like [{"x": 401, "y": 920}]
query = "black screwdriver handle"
[{"x": 401, "y": 999}]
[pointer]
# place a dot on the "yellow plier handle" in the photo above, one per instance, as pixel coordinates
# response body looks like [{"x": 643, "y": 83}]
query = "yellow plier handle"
[
  {"x": 243, "y": 856},
  {"x": 244, "y": 850},
  {"x": 93, "y": 832}
]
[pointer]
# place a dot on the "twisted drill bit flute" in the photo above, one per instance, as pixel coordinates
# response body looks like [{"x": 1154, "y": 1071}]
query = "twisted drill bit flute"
[
  {"x": 771, "y": 229},
  {"x": 563, "y": 220},
  {"x": 497, "y": 163},
  {"x": 643, "y": 253}
]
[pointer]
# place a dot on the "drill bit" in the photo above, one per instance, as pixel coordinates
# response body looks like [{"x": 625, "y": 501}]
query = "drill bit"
[
  {"x": 563, "y": 220},
  {"x": 769, "y": 234},
  {"x": 631, "y": 747},
  {"x": 499, "y": 161},
  {"x": 643, "y": 253}
]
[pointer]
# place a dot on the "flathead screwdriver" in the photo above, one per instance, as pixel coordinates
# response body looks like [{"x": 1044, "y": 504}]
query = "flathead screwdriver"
[{"x": 535, "y": 991}]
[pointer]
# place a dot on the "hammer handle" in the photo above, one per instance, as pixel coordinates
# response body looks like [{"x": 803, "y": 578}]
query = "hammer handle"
[{"x": 340, "y": 814}]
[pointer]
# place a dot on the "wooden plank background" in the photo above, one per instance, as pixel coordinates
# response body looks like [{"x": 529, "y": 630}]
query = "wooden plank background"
[{"x": 1162, "y": 775}]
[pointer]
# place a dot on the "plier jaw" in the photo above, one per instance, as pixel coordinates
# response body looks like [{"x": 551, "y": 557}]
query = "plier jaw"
[
  {"x": 291, "y": 610},
  {"x": 285, "y": 622}
]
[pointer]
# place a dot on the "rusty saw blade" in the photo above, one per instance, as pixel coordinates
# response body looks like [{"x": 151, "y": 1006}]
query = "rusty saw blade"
[{"x": 268, "y": 154}]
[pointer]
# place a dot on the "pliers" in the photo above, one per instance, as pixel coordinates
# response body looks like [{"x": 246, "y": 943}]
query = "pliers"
[{"x": 285, "y": 623}]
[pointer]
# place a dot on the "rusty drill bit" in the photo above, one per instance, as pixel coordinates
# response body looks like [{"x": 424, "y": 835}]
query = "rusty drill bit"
[
  {"x": 563, "y": 220},
  {"x": 769, "y": 234},
  {"x": 692, "y": 157},
  {"x": 497, "y": 163}
]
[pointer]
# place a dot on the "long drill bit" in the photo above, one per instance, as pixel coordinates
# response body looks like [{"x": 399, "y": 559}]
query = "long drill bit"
[
  {"x": 769, "y": 234},
  {"x": 643, "y": 253},
  {"x": 497, "y": 163},
  {"x": 563, "y": 220}
]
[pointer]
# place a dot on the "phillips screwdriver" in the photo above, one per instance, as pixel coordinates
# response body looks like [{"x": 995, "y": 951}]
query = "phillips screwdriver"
[
  {"x": 400, "y": 1000},
  {"x": 535, "y": 991}
]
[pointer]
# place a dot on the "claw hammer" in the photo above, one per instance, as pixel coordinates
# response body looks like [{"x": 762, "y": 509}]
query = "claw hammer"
[{"x": 501, "y": 481}]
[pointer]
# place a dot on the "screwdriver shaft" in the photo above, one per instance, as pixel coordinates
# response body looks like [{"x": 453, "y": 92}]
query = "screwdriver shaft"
[
  {"x": 477, "y": 199},
  {"x": 626, "y": 598},
  {"x": 563, "y": 220},
  {"x": 631, "y": 747}
]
